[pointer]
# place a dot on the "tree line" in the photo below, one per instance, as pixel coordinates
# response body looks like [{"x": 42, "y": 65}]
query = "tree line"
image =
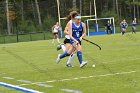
[{"x": 24, "y": 16}]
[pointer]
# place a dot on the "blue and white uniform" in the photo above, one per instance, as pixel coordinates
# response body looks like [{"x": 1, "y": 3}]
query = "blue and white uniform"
[
  {"x": 123, "y": 25},
  {"x": 77, "y": 32},
  {"x": 134, "y": 24}
]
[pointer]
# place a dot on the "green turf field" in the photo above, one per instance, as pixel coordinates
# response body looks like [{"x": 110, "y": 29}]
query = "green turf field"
[{"x": 117, "y": 66}]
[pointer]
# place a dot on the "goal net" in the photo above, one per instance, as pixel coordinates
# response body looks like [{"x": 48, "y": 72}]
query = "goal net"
[{"x": 99, "y": 26}]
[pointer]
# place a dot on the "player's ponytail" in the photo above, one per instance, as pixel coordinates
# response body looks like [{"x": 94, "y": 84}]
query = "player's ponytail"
[
  {"x": 73, "y": 14},
  {"x": 68, "y": 17}
]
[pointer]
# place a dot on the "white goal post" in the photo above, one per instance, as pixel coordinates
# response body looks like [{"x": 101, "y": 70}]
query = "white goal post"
[{"x": 111, "y": 19}]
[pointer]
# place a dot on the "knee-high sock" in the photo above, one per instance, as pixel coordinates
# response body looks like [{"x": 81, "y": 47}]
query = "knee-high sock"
[
  {"x": 64, "y": 55},
  {"x": 71, "y": 58},
  {"x": 63, "y": 47},
  {"x": 79, "y": 55}
]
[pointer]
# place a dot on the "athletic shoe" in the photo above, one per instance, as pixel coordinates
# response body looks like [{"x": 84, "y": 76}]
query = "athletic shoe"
[
  {"x": 83, "y": 64},
  {"x": 59, "y": 47},
  {"x": 69, "y": 65},
  {"x": 58, "y": 59}
]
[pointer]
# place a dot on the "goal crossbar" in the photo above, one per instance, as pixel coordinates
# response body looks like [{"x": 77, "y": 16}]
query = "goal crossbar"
[{"x": 82, "y": 16}]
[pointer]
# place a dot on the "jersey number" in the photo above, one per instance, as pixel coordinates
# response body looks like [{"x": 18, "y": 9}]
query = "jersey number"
[{"x": 77, "y": 34}]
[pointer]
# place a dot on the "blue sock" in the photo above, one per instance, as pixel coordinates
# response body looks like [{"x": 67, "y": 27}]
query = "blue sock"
[
  {"x": 79, "y": 55},
  {"x": 64, "y": 55}
]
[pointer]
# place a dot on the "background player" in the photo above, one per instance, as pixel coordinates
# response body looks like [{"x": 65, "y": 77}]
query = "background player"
[
  {"x": 134, "y": 23},
  {"x": 55, "y": 30},
  {"x": 108, "y": 27},
  {"x": 124, "y": 26}
]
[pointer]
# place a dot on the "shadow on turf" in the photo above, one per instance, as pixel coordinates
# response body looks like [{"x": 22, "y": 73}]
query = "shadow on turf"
[{"x": 25, "y": 61}]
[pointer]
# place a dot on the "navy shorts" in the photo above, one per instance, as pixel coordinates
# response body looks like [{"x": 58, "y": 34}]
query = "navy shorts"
[
  {"x": 67, "y": 41},
  {"x": 71, "y": 41}
]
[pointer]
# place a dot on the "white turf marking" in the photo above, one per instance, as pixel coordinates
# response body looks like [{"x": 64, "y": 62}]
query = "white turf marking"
[
  {"x": 18, "y": 88},
  {"x": 25, "y": 81},
  {"x": 129, "y": 58},
  {"x": 44, "y": 85},
  {"x": 38, "y": 84},
  {"x": 84, "y": 77},
  {"x": 28, "y": 84},
  {"x": 7, "y": 77},
  {"x": 96, "y": 76},
  {"x": 51, "y": 81},
  {"x": 71, "y": 91},
  {"x": 104, "y": 75},
  {"x": 74, "y": 78},
  {"x": 64, "y": 80}
]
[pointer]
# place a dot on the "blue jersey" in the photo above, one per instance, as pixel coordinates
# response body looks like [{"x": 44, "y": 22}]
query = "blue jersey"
[
  {"x": 123, "y": 25},
  {"x": 77, "y": 31},
  {"x": 134, "y": 23}
]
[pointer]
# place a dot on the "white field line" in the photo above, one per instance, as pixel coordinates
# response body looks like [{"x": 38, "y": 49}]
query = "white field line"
[
  {"x": 7, "y": 77},
  {"x": 18, "y": 72},
  {"x": 51, "y": 81},
  {"x": 25, "y": 81},
  {"x": 71, "y": 91},
  {"x": 41, "y": 84},
  {"x": 112, "y": 62},
  {"x": 44, "y": 85},
  {"x": 18, "y": 88},
  {"x": 85, "y": 77}
]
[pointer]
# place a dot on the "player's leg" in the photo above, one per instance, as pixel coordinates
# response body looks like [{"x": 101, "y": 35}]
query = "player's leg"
[
  {"x": 65, "y": 54},
  {"x": 134, "y": 29},
  {"x": 123, "y": 31},
  {"x": 66, "y": 48},
  {"x": 79, "y": 55},
  {"x": 61, "y": 46},
  {"x": 53, "y": 38},
  {"x": 71, "y": 57},
  {"x": 57, "y": 38},
  {"x": 107, "y": 30},
  {"x": 70, "y": 60},
  {"x": 111, "y": 31},
  {"x": 64, "y": 45}
]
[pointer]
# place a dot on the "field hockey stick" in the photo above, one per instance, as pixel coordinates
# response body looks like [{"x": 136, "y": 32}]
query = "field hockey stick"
[
  {"x": 75, "y": 48},
  {"x": 92, "y": 43}
]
